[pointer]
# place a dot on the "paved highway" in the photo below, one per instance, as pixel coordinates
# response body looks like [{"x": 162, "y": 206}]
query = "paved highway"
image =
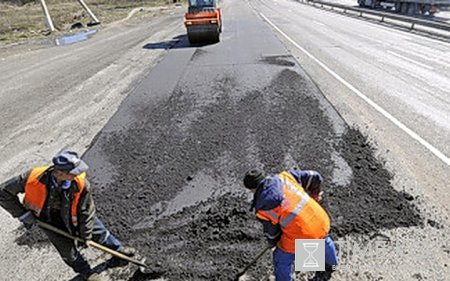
[{"x": 281, "y": 89}]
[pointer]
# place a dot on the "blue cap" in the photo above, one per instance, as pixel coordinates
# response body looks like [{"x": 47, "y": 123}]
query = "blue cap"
[{"x": 69, "y": 161}]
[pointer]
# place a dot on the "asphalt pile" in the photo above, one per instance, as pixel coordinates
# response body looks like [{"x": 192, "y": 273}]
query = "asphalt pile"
[
  {"x": 210, "y": 241},
  {"x": 163, "y": 150},
  {"x": 369, "y": 202}
]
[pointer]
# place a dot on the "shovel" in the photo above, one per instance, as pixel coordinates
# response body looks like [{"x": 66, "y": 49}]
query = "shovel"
[
  {"x": 243, "y": 271},
  {"x": 142, "y": 266}
]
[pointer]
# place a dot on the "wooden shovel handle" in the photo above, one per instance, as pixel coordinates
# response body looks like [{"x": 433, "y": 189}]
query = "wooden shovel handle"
[
  {"x": 93, "y": 244},
  {"x": 90, "y": 243}
]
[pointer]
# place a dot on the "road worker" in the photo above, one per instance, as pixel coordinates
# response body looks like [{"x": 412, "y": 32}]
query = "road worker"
[
  {"x": 60, "y": 195},
  {"x": 286, "y": 204}
]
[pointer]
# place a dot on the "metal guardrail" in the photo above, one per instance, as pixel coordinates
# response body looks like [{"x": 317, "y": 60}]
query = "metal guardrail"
[{"x": 382, "y": 15}]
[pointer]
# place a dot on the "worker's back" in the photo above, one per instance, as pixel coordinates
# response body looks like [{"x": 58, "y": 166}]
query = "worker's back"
[{"x": 283, "y": 201}]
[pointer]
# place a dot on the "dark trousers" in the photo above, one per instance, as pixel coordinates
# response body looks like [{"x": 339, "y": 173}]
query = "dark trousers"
[
  {"x": 69, "y": 252},
  {"x": 284, "y": 261}
]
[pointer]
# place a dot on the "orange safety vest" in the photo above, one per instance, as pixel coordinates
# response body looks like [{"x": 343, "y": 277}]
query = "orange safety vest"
[
  {"x": 299, "y": 216},
  {"x": 36, "y": 193}
]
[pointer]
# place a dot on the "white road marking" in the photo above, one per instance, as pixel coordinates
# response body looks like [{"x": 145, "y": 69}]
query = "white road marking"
[
  {"x": 411, "y": 60},
  {"x": 378, "y": 108}
]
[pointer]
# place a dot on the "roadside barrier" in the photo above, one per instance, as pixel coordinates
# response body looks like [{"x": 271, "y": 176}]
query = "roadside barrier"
[{"x": 412, "y": 23}]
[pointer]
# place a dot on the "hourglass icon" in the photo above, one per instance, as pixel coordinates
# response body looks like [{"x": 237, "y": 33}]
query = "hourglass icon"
[{"x": 310, "y": 248}]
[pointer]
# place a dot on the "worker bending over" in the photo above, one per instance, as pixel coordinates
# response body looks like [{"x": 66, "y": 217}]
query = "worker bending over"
[
  {"x": 287, "y": 205},
  {"x": 61, "y": 196}
]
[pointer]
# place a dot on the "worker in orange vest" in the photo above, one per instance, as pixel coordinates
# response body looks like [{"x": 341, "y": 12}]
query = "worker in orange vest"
[
  {"x": 61, "y": 195},
  {"x": 287, "y": 205}
]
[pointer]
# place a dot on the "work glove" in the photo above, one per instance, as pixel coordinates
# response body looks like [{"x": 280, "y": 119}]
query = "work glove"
[{"x": 28, "y": 219}]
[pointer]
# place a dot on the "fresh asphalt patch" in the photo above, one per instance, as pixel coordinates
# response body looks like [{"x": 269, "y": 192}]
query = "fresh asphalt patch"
[{"x": 193, "y": 149}]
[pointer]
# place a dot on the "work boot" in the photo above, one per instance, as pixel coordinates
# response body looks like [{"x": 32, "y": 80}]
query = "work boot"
[{"x": 116, "y": 261}]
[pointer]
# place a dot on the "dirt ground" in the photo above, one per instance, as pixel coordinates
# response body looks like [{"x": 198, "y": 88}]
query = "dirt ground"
[{"x": 21, "y": 21}]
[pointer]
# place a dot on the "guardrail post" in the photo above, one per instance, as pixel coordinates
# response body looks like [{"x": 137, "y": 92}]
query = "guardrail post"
[
  {"x": 412, "y": 25},
  {"x": 382, "y": 19}
]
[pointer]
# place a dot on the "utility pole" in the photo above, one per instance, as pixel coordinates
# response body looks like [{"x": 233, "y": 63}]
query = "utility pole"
[
  {"x": 47, "y": 16},
  {"x": 91, "y": 14}
]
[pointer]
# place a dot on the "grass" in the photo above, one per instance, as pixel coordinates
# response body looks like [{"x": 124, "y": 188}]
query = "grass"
[{"x": 19, "y": 22}]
